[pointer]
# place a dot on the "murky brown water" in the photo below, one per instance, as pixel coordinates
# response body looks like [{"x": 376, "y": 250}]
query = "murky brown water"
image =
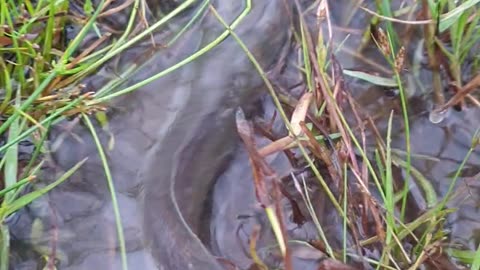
[{"x": 181, "y": 127}]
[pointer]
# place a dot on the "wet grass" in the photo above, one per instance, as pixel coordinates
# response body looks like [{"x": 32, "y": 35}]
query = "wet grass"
[
  {"x": 41, "y": 70},
  {"x": 33, "y": 57},
  {"x": 402, "y": 238}
]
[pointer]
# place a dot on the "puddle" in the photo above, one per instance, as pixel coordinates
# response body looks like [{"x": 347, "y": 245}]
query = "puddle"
[{"x": 179, "y": 127}]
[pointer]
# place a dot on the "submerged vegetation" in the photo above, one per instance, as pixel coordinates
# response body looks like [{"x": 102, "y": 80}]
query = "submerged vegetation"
[{"x": 48, "y": 47}]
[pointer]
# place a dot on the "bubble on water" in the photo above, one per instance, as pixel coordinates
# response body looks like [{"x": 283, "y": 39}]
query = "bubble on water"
[{"x": 437, "y": 116}]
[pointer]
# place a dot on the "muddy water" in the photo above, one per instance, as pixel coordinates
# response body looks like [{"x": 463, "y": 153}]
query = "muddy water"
[
  {"x": 438, "y": 149},
  {"x": 443, "y": 147},
  {"x": 168, "y": 142},
  {"x": 175, "y": 137}
]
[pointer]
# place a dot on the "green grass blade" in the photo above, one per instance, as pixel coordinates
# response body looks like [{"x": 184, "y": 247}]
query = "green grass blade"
[
  {"x": 194, "y": 18},
  {"x": 72, "y": 46},
  {"x": 373, "y": 79},
  {"x": 25, "y": 105},
  {"x": 185, "y": 61},
  {"x": 36, "y": 152},
  {"x": 15, "y": 186},
  {"x": 476, "y": 260},
  {"x": 117, "y": 49},
  {"x": 11, "y": 156},
  {"x": 56, "y": 116},
  {"x": 111, "y": 187},
  {"x": 448, "y": 19},
  {"x": 17, "y": 204},
  {"x": 4, "y": 246},
  {"x": 278, "y": 105},
  {"x": 389, "y": 192}
]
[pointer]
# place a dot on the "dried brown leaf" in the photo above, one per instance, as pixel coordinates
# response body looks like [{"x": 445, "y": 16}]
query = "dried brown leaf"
[
  {"x": 322, "y": 10},
  {"x": 5, "y": 41},
  {"x": 276, "y": 146},
  {"x": 300, "y": 112},
  {"x": 458, "y": 97}
]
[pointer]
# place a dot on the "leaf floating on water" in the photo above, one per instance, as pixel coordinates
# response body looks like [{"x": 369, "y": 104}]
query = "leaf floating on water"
[{"x": 373, "y": 79}]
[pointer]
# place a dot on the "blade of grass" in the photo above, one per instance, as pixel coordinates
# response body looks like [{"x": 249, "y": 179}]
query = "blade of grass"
[
  {"x": 403, "y": 101},
  {"x": 448, "y": 19},
  {"x": 476, "y": 260},
  {"x": 21, "y": 188},
  {"x": 115, "y": 51},
  {"x": 73, "y": 45},
  {"x": 111, "y": 187},
  {"x": 54, "y": 117},
  {"x": 275, "y": 223},
  {"x": 278, "y": 105},
  {"x": 36, "y": 153},
  {"x": 48, "y": 32},
  {"x": 16, "y": 185},
  {"x": 389, "y": 192},
  {"x": 311, "y": 210},
  {"x": 194, "y": 18},
  {"x": 376, "y": 80},
  {"x": 17, "y": 204},
  {"x": 11, "y": 156},
  {"x": 8, "y": 86},
  {"x": 25, "y": 105},
  {"x": 4, "y": 246},
  {"x": 179, "y": 64},
  {"x": 307, "y": 68},
  {"x": 447, "y": 196}
]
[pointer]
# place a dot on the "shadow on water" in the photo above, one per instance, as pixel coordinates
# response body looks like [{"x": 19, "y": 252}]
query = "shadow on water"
[{"x": 183, "y": 182}]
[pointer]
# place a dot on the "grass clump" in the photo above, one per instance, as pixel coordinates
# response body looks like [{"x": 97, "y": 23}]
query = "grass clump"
[
  {"x": 403, "y": 238},
  {"x": 43, "y": 59},
  {"x": 384, "y": 221},
  {"x": 37, "y": 57}
]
